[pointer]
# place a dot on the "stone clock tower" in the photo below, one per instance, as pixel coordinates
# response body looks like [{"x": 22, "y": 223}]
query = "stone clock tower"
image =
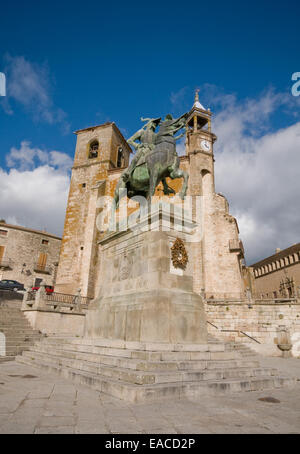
[
  {"x": 199, "y": 147},
  {"x": 217, "y": 267}
]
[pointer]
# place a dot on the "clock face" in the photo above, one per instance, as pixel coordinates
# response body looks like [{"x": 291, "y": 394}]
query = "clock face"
[{"x": 205, "y": 145}]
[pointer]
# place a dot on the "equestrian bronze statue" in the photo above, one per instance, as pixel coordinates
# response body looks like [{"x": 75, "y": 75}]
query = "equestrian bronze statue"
[{"x": 155, "y": 159}]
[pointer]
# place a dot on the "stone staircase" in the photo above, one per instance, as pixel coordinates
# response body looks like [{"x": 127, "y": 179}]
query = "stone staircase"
[
  {"x": 139, "y": 372},
  {"x": 19, "y": 336},
  {"x": 243, "y": 349}
]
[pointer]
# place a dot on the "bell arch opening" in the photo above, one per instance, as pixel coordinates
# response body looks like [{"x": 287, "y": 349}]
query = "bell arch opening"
[{"x": 94, "y": 149}]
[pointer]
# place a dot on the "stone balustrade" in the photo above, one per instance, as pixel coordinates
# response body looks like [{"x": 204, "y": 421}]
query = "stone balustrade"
[{"x": 55, "y": 313}]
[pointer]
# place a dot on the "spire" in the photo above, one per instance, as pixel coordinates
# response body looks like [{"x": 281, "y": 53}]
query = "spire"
[{"x": 197, "y": 103}]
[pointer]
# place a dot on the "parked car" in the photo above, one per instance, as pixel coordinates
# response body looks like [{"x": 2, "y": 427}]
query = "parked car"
[
  {"x": 7, "y": 284},
  {"x": 49, "y": 289}
]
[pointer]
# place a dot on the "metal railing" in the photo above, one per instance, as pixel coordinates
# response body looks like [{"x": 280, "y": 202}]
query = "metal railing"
[
  {"x": 60, "y": 298},
  {"x": 57, "y": 301},
  {"x": 67, "y": 298},
  {"x": 233, "y": 331}
]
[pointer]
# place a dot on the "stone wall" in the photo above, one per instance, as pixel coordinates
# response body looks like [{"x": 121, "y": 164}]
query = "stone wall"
[
  {"x": 260, "y": 320},
  {"x": 278, "y": 275},
  {"x": 269, "y": 283},
  {"x": 51, "y": 322},
  {"x": 22, "y": 250}
]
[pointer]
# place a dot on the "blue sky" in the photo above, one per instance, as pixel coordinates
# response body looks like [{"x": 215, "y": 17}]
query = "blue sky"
[{"x": 72, "y": 64}]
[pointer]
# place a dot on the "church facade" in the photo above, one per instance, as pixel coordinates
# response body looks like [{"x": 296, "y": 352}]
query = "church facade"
[{"x": 101, "y": 156}]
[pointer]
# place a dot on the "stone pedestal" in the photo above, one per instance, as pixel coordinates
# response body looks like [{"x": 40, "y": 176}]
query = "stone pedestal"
[{"x": 143, "y": 296}]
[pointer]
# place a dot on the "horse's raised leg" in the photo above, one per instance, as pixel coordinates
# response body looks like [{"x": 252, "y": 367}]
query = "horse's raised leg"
[
  {"x": 167, "y": 189},
  {"x": 178, "y": 173}
]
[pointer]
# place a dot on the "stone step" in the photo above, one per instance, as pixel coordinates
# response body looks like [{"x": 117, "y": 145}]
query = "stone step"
[
  {"x": 140, "y": 364},
  {"x": 9, "y": 309},
  {"x": 11, "y": 315},
  {"x": 15, "y": 316},
  {"x": 244, "y": 350},
  {"x": 3, "y": 359},
  {"x": 10, "y": 326},
  {"x": 19, "y": 336},
  {"x": 8, "y": 313},
  {"x": 20, "y": 329},
  {"x": 29, "y": 343},
  {"x": 221, "y": 387},
  {"x": 24, "y": 343},
  {"x": 138, "y": 393},
  {"x": 25, "y": 332},
  {"x": 144, "y": 355},
  {"x": 151, "y": 376},
  {"x": 16, "y": 350},
  {"x": 140, "y": 346}
]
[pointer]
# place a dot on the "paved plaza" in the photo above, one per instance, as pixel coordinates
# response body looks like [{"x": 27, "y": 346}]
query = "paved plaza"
[{"x": 33, "y": 402}]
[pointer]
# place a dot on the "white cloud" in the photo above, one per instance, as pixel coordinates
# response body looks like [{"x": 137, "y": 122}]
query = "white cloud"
[
  {"x": 26, "y": 158},
  {"x": 29, "y": 85},
  {"x": 258, "y": 171},
  {"x": 178, "y": 98},
  {"x": 60, "y": 160},
  {"x": 34, "y": 190}
]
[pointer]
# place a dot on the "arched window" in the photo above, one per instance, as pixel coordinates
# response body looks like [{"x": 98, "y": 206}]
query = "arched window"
[
  {"x": 94, "y": 148},
  {"x": 207, "y": 182},
  {"x": 120, "y": 157}
]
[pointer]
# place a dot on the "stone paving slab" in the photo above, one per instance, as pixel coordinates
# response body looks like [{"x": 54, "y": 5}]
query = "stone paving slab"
[{"x": 33, "y": 402}]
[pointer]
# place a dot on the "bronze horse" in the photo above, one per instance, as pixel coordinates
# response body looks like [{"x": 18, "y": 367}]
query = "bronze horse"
[{"x": 159, "y": 162}]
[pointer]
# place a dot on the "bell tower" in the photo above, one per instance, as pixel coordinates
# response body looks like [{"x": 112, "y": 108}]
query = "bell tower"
[
  {"x": 99, "y": 150},
  {"x": 199, "y": 147}
]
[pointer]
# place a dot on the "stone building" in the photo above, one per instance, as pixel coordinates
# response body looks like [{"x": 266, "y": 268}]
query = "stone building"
[
  {"x": 28, "y": 256},
  {"x": 278, "y": 276},
  {"x": 100, "y": 151},
  {"x": 101, "y": 155}
]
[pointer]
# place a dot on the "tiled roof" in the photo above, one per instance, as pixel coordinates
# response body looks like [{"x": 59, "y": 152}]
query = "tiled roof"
[
  {"x": 25, "y": 229},
  {"x": 279, "y": 255}
]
